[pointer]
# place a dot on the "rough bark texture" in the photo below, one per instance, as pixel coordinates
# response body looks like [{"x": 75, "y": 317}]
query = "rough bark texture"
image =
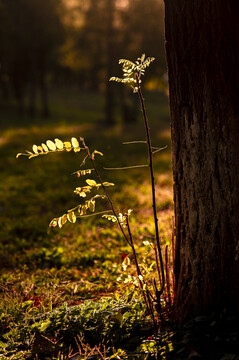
[{"x": 202, "y": 44}]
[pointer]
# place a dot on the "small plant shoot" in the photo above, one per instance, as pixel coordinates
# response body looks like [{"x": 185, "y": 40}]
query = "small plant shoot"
[{"x": 132, "y": 74}]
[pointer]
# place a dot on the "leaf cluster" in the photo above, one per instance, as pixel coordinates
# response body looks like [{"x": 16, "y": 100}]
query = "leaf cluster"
[
  {"x": 132, "y": 71},
  {"x": 122, "y": 218},
  {"x": 52, "y": 146}
]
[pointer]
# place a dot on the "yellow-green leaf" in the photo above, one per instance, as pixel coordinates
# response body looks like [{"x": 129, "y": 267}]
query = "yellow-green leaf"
[
  {"x": 110, "y": 217},
  {"x": 82, "y": 190},
  {"x": 75, "y": 142},
  {"x": 54, "y": 222},
  {"x": 45, "y": 148},
  {"x": 108, "y": 184},
  {"x": 51, "y": 145},
  {"x": 59, "y": 144},
  {"x": 92, "y": 205},
  {"x": 77, "y": 149},
  {"x": 98, "y": 152},
  {"x": 83, "y": 210},
  {"x": 91, "y": 182},
  {"x": 64, "y": 219},
  {"x": 59, "y": 223},
  {"x": 35, "y": 149},
  {"x": 71, "y": 217},
  {"x": 67, "y": 145}
]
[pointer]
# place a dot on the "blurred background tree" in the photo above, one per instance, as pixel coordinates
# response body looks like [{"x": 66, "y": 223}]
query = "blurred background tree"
[{"x": 66, "y": 43}]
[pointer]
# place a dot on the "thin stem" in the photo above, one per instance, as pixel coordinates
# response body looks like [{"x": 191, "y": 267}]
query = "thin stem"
[
  {"x": 105, "y": 191},
  {"x": 98, "y": 213},
  {"x": 135, "y": 142},
  {"x": 150, "y": 155},
  {"x": 127, "y": 167},
  {"x": 139, "y": 274}
]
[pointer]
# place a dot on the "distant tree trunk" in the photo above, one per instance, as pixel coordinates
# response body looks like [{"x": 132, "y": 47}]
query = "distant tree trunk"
[
  {"x": 109, "y": 92},
  {"x": 18, "y": 81},
  {"x": 43, "y": 87},
  {"x": 32, "y": 85},
  {"x": 202, "y": 43}
]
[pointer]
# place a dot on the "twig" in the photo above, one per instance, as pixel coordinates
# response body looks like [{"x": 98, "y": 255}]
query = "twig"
[
  {"x": 127, "y": 167},
  {"x": 135, "y": 142}
]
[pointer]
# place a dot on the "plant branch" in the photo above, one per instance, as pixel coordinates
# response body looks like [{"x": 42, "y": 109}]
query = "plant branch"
[
  {"x": 135, "y": 142},
  {"x": 150, "y": 155},
  {"x": 104, "y": 188},
  {"x": 127, "y": 167}
]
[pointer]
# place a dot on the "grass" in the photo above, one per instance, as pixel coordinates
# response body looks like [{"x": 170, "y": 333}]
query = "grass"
[{"x": 42, "y": 268}]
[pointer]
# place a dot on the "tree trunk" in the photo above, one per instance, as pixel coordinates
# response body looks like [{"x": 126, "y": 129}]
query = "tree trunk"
[
  {"x": 109, "y": 91},
  {"x": 202, "y": 44}
]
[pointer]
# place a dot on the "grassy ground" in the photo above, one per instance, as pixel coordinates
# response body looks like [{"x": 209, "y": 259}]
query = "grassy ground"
[{"x": 42, "y": 268}]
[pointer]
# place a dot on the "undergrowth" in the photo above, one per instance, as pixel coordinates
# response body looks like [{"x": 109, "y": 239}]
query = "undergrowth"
[{"x": 58, "y": 272}]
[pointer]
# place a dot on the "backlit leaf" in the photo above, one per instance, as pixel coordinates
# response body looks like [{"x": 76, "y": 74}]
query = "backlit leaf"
[
  {"x": 98, "y": 152},
  {"x": 71, "y": 217},
  {"x": 81, "y": 191},
  {"x": 45, "y": 148},
  {"x": 91, "y": 182},
  {"x": 51, "y": 145},
  {"x": 92, "y": 205},
  {"x": 67, "y": 145},
  {"x": 75, "y": 142},
  {"x": 54, "y": 222},
  {"x": 35, "y": 149},
  {"x": 108, "y": 184},
  {"x": 83, "y": 210},
  {"x": 110, "y": 217},
  {"x": 77, "y": 149},
  {"x": 64, "y": 219},
  {"x": 59, "y": 223},
  {"x": 59, "y": 144}
]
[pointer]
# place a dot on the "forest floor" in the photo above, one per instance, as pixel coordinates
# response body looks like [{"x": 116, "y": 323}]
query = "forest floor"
[
  {"x": 53, "y": 281},
  {"x": 69, "y": 293}
]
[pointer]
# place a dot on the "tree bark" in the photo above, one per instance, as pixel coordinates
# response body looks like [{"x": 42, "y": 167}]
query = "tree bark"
[{"x": 202, "y": 45}]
